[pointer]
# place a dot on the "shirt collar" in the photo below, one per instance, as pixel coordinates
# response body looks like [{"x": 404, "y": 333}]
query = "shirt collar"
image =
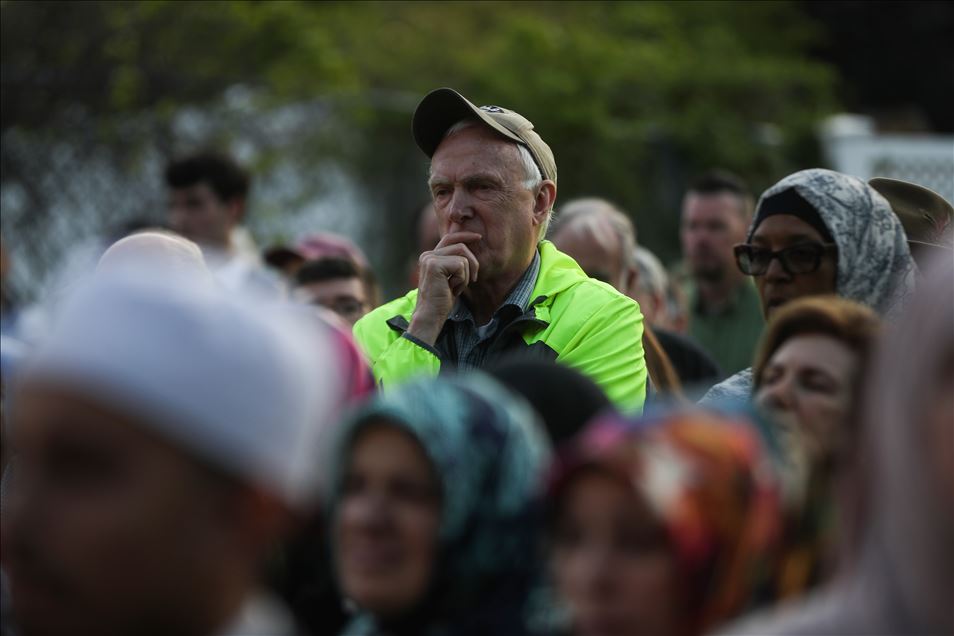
[{"x": 519, "y": 296}]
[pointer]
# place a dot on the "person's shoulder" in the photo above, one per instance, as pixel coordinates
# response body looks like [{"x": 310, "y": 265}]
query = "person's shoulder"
[
  {"x": 591, "y": 302},
  {"x": 598, "y": 291},
  {"x": 683, "y": 350},
  {"x": 735, "y": 389},
  {"x": 401, "y": 307}
]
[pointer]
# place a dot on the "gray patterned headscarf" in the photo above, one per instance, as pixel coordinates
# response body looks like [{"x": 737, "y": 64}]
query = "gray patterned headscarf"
[{"x": 875, "y": 267}]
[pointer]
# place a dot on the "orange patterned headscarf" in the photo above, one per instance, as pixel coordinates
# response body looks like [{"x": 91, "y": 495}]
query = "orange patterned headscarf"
[{"x": 710, "y": 484}]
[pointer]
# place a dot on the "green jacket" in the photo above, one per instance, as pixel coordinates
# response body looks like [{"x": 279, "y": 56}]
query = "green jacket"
[{"x": 579, "y": 321}]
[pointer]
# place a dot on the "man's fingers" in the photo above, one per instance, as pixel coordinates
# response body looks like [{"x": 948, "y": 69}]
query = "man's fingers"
[
  {"x": 459, "y": 249},
  {"x": 458, "y": 237},
  {"x": 447, "y": 266}
]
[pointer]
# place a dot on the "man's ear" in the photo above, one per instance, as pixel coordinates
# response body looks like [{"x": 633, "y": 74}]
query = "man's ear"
[
  {"x": 546, "y": 197},
  {"x": 630, "y": 280}
]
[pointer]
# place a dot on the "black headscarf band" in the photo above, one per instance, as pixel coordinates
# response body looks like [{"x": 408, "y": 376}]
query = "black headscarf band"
[{"x": 791, "y": 202}]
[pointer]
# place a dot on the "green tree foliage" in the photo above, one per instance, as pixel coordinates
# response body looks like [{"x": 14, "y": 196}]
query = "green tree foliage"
[{"x": 633, "y": 97}]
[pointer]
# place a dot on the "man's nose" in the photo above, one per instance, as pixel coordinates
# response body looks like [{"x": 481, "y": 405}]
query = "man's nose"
[{"x": 460, "y": 207}]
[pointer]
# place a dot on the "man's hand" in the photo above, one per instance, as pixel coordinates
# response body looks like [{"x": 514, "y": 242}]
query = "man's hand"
[{"x": 445, "y": 272}]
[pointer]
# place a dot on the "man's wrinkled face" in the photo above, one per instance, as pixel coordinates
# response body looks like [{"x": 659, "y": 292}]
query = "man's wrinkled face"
[
  {"x": 477, "y": 185},
  {"x": 711, "y": 225},
  {"x": 196, "y": 212},
  {"x": 106, "y": 529}
]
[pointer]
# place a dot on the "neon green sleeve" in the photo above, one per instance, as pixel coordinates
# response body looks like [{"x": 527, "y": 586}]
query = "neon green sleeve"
[
  {"x": 608, "y": 348},
  {"x": 402, "y": 360},
  {"x": 394, "y": 358}
]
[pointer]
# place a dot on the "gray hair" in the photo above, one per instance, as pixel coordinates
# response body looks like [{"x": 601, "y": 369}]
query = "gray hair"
[
  {"x": 577, "y": 210},
  {"x": 533, "y": 176},
  {"x": 652, "y": 275}
]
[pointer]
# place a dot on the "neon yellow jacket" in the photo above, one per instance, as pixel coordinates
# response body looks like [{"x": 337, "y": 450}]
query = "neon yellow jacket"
[{"x": 574, "y": 319}]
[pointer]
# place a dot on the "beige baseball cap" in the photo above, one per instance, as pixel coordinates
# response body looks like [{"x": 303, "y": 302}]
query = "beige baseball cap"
[
  {"x": 925, "y": 215},
  {"x": 442, "y": 108}
]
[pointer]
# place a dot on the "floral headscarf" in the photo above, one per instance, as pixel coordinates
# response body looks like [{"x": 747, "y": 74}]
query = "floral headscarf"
[
  {"x": 711, "y": 484},
  {"x": 490, "y": 454}
]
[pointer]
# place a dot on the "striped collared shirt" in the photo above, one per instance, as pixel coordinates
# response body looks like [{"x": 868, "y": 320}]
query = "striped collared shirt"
[{"x": 464, "y": 342}]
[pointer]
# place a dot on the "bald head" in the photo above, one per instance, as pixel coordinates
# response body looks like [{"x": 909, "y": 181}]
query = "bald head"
[
  {"x": 163, "y": 250},
  {"x": 599, "y": 237}
]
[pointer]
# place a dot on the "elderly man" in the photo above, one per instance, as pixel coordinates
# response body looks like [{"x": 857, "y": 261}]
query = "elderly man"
[
  {"x": 166, "y": 435},
  {"x": 492, "y": 285}
]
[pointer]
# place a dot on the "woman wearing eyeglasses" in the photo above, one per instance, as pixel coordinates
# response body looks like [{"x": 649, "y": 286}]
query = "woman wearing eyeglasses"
[{"x": 821, "y": 232}]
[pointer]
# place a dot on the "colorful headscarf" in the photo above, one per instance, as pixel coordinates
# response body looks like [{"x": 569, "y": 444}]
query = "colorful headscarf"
[
  {"x": 490, "y": 453},
  {"x": 711, "y": 485}
]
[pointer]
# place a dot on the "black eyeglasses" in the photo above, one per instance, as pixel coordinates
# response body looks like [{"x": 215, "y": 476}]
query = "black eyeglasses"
[{"x": 804, "y": 258}]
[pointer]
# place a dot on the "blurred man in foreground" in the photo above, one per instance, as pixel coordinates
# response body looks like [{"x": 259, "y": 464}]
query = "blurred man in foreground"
[{"x": 165, "y": 435}]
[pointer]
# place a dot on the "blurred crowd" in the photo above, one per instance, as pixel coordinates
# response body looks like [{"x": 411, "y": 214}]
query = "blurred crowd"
[{"x": 550, "y": 434}]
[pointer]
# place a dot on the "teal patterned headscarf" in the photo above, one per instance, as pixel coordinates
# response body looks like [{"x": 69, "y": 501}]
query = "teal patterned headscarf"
[{"x": 490, "y": 453}]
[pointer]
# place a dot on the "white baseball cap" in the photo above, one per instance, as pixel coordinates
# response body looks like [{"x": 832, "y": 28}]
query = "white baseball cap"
[{"x": 244, "y": 385}]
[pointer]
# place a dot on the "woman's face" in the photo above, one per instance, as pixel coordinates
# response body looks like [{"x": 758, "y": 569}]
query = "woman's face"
[
  {"x": 776, "y": 286},
  {"x": 807, "y": 386},
  {"x": 388, "y": 521},
  {"x": 611, "y": 562}
]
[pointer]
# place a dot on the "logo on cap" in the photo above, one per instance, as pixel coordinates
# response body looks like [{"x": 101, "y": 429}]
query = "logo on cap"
[{"x": 493, "y": 109}]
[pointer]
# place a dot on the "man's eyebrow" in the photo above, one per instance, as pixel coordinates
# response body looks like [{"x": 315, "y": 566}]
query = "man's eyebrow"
[{"x": 482, "y": 177}]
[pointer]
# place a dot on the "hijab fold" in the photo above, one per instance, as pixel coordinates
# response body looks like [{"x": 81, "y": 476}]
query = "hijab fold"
[{"x": 489, "y": 452}]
